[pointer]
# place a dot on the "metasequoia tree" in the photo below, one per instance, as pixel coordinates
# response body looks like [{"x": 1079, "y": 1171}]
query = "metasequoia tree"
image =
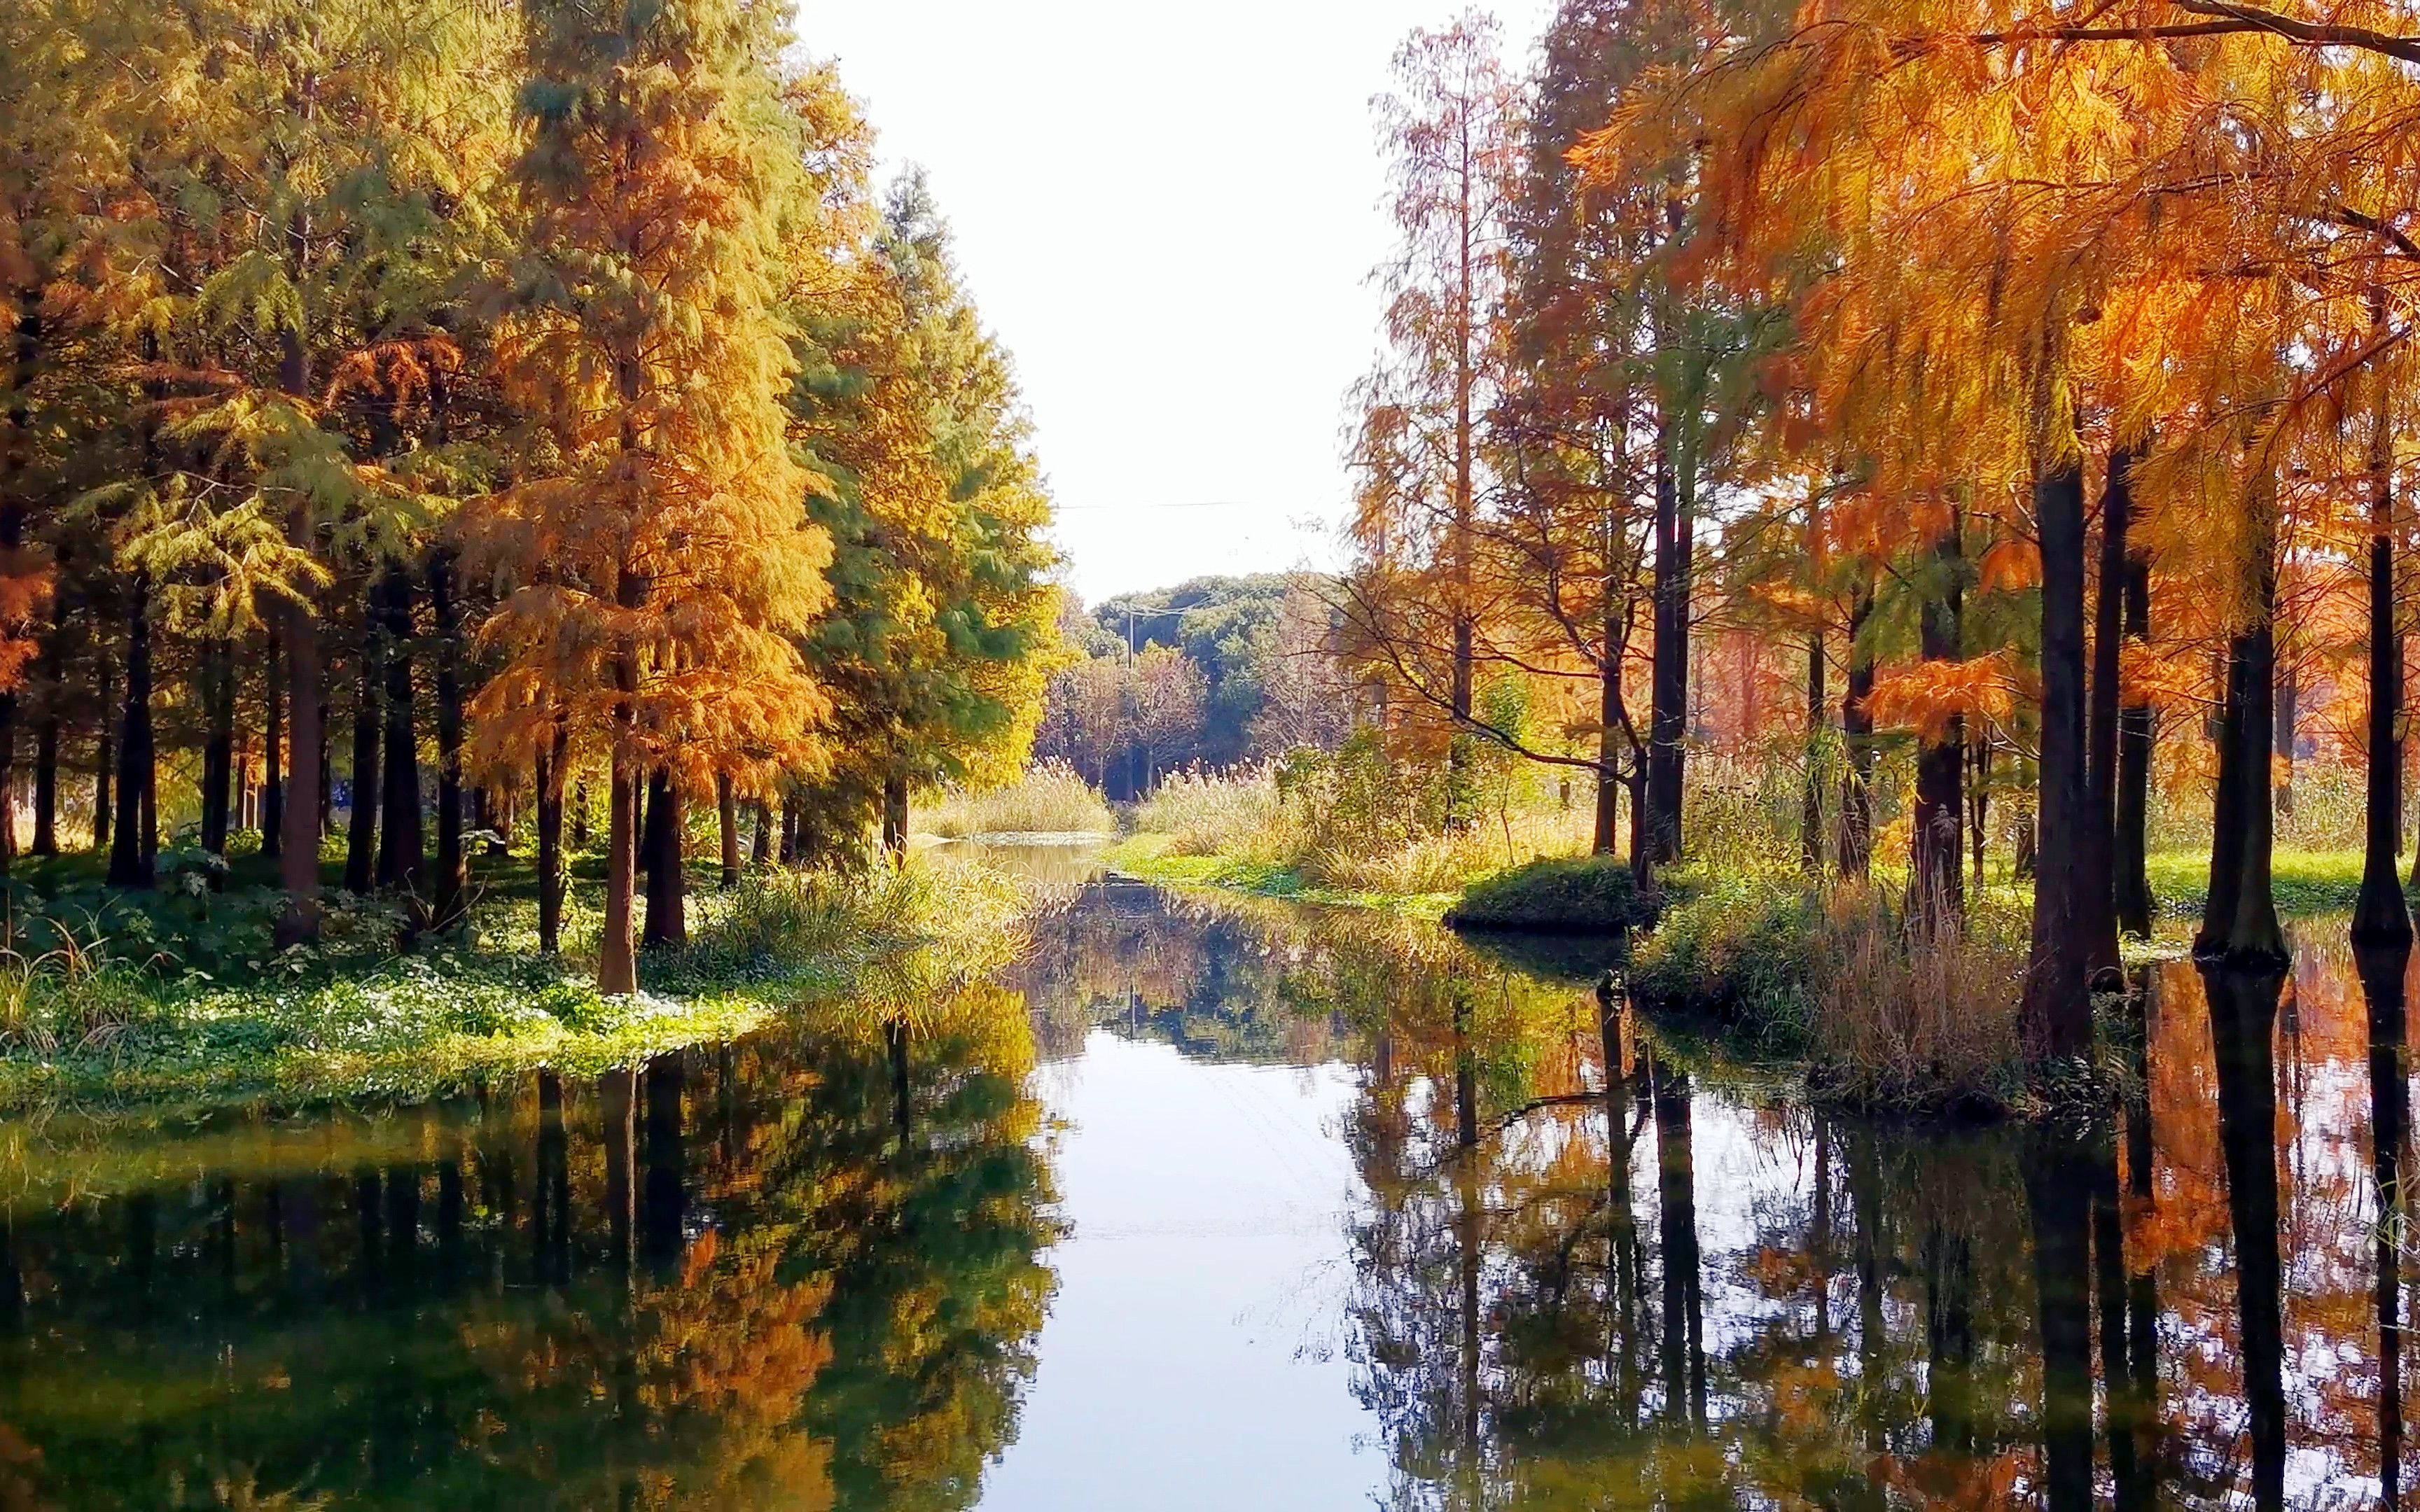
[{"x": 660, "y": 570}]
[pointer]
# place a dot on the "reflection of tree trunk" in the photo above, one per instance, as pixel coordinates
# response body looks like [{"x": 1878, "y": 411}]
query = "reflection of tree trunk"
[
  {"x": 894, "y": 1037},
  {"x": 403, "y": 1222},
  {"x": 1466, "y": 1076},
  {"x": 2243, "y": 1017},
  {"x": 1622, "y": 1220},
  {"x": 551, "y": 1229},
  {"x": 613, "y": 1094},
  {"x": 667, "y": 1194},
  {"x": 1949, "y": 1336},
  {"x": 1684, "y": 1353},
  {"x": 1866, "y": 1199},
  {"x": 449, "y": 1219},
  {"x": 2059, "y": 1196},
  {"x": 2134, "y": 1411},
  {"x": 368, "y": 1194},
  {"x": 2109, "y": 1282},
  {"x": 2389, "y": 1123}
]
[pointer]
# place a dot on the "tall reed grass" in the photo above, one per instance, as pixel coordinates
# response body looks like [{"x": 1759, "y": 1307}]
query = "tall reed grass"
[{"x": 1050, "y": 798}]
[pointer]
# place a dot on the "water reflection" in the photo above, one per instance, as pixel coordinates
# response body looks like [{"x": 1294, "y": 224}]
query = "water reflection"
[
  {"x": 716, "y": 1279},
  {"x": 1539, "y": 1253}
]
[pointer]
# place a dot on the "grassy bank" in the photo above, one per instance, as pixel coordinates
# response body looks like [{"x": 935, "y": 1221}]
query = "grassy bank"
[
  {"x": 178, "y": 997},
  {"x": 1152, "y": 858}
]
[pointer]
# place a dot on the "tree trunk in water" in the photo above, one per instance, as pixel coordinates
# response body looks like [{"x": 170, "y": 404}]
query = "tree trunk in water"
[
  {"x": 453, "y": 881},
  {"x": 1668, "y": 681},
  {"x": 617, "y": 958},
  {"x": 2381, "y": 968},
  {"x": 401, "y": 858},
  {"x": 2059, "y": 1197},
  {"x": 129, "y": 864},
  {"x": 2240, "y": 921},
  {"x": 2100, "y": 721},
  {"x": 549, "y": 844},
  {"x": 2057, "y": 1005},
  {"x": 666, "y": 922},
  {"x": 361, "y": 837},
  {"x": 895, "y": 818},
  {"x": 726, "y": 811},
  {"x": 2380, "y": 916},
  {"x": 1857, "y": 742},
  {"x": 2136, "y": 730},
  {"x": 1937, "y": 870},
  {"x": 1810, "y": 805}
]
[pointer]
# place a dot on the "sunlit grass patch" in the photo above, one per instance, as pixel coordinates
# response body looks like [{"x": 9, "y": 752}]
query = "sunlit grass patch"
[{"x": 1050, "y": 799}]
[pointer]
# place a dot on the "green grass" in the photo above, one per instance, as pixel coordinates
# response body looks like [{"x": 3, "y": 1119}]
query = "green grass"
[
  {"x": 177, "y": 997},
  {"x": 1145, "y": 856},
  {"x": 2305, "y": 883}
]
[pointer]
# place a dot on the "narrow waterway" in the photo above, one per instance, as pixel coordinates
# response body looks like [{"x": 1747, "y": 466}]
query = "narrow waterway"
[{"x": 1224, "y": 1203}]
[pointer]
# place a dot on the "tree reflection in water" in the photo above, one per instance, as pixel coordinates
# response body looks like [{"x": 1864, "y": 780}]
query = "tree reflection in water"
[{"x": 718, "y": 1279}]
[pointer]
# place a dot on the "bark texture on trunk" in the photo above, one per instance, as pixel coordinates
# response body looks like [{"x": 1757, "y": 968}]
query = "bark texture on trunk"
[
  {"x": 450, "y": 888},
  {"x": 550, "y": 845},
  {"x": 402, "y": 860},
  {"x": 1937, "y": 848},
  {"x": 105, "y": 761},
  {"x": 2136, "y": 732},
  {"x": 2101, "y": 720},
  {"x": 1856, "y": 847},
  {"x": 272, "y": 741},
  {"x": 2058, "y": 1004},
  {"x": 361, "y": 832},
  {"x": 666, "y": 922},
  {"x": 1668, "y": 669},
  {"x": 617, "y": 956},
  {"x": 726, "y": 811},
  {"x": 129, "y": 862},
  {"x": 2240, "y": 920},
  {"x": 2380, "y": 916},
  {"x": 217, "y": 679}
]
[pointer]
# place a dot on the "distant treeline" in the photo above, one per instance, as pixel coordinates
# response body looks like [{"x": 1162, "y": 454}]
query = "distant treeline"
[{"x": 1215, "y": 671}]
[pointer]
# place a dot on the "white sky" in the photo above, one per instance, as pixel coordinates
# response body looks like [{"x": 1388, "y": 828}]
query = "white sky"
[{"x": 1168, "y": 213}]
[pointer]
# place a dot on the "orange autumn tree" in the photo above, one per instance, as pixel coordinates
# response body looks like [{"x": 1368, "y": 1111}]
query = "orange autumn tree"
[{"x": 658, "y": 564}]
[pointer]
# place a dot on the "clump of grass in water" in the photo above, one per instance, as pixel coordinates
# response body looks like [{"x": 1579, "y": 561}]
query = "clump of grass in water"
[{"x": 1887, "y": 1013}]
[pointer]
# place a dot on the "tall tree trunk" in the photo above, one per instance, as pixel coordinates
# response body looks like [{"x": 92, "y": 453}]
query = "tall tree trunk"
[
  {"x": 2288, "y": 714},
  {"x": 2380, "y": 916},
  {"x": 104, "y": 757},
  {"x": 2240, "y": 920},
  {"x": 2136, "y": 732},
  {"x": 1979, "y": 796},
  {"x": 791, "y": 824},
  {"x": 1810, "y": 802},
  {"x": 402, "y": 860},
  {"x": 894, "y": 817},
  {"x": 305, "y": 817},
  {"x": 1608, "y": 714},
  {"x": 617, "y": 958},
  {"x": 760, "y": 849},
  {"x": 666, "y": 922},
  {"x": 361, "y": 837},
  {"x": 272, "y": 741},
  {"x": 726, "y": 812},
  {"x": 2057, "y": 1005},
  {"x": 2099, "y": 838},
  {"x": 1858, "y": 741},
  {"x": 218, "y": 744},
  {"x": 1668, "y": 679},
  {"x": 46, "y": 777},
  {"x": 550, "y": 842},
  {"x": 579, "y": 815},
  {"x": 129, "y": 864},
  {"x": 1937, "y": 871},
  {"x": 451, "y": 887}
]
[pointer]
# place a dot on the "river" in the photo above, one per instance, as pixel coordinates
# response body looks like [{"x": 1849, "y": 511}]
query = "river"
[{"x": 1233, "y": 1204}]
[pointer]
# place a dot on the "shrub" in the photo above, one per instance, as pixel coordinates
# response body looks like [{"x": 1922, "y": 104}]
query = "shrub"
[
  {"x": 1241, "y": 814},
  {"x": 1906, "y": 1016},
  {"x": 1580, "y": 895},
  {"x": 1739, "y": 945}
]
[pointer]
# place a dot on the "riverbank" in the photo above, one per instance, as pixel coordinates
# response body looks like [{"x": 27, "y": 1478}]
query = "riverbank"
[{"x": 177, "y": 999}]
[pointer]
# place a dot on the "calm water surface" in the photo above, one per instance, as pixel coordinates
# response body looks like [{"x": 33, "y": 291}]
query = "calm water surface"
[{"x": 1230, "y": 1205}]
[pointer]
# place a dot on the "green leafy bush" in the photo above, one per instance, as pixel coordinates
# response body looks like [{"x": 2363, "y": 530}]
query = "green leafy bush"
[
  {"x": 1739, "y": 945},
  {"x": 1589, "y": 894}
]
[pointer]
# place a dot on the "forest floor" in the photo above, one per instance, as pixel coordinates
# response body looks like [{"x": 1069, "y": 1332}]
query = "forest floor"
[{"x": 178, "y": 1000}]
